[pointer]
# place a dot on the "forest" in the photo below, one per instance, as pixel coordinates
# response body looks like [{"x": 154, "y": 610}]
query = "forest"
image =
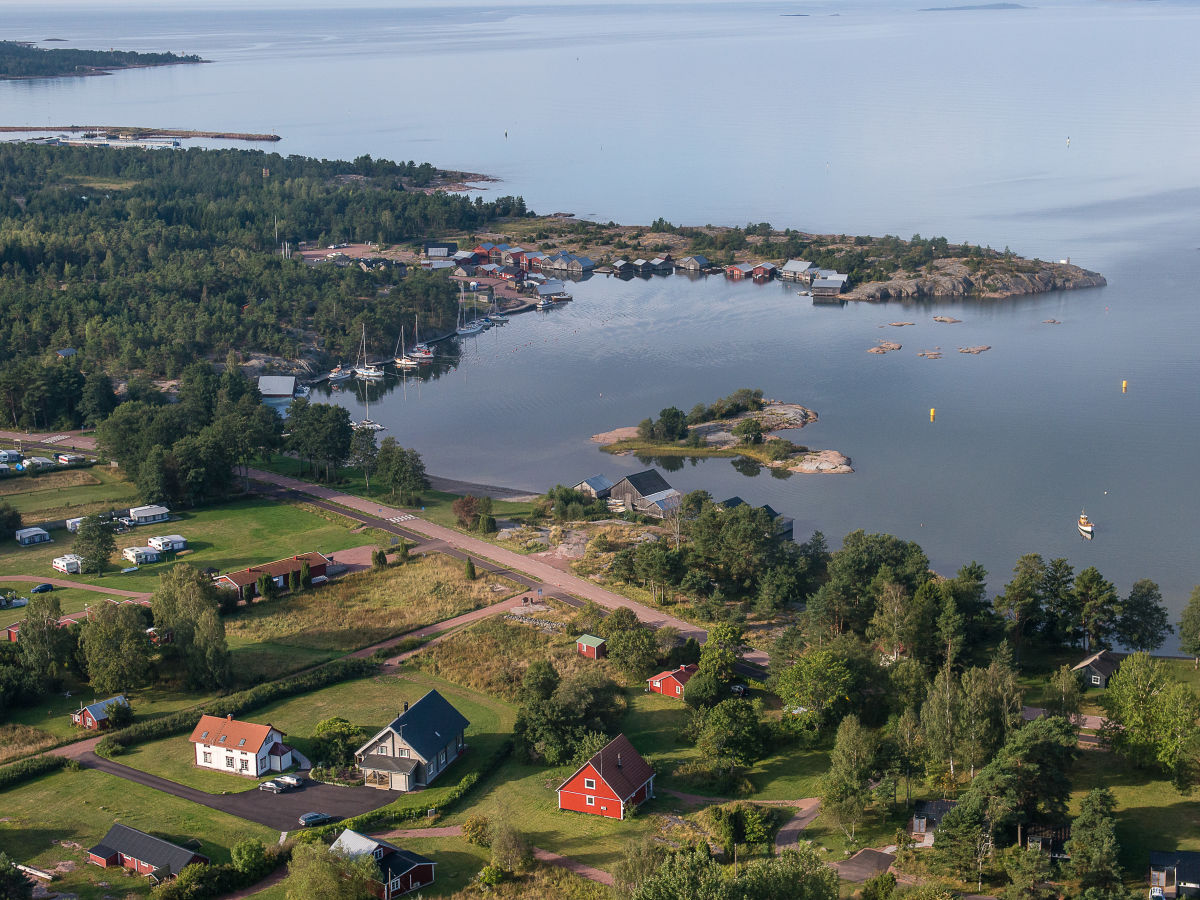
[
  {"x": 19, "y": 60},
  {"x": 146, "y": 261}
]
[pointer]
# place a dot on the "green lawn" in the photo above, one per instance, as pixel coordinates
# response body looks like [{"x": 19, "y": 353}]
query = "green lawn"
[
  {"x": 457, "y": 862},
  {"x": 654, "y": 724},
  {"x": 369, "y": 702},
  {"x": 435, "y": 505},
  {"x": 76, "y": 809},
  {"x": 52, "y": 712},
  {"x": 230, "y": 536},
  {"x": 65, "y": 493},
  {"x": 71, "y": 599},
  {"x": 253, "y": 662}
]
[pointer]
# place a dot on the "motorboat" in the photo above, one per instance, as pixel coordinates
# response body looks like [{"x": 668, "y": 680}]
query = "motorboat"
[
  {"x": 1087, "y": 527},
  {"x": 338, "y": 374},
  {"x": 303, "y": 390},
  {"x": 545, "y": 303}
]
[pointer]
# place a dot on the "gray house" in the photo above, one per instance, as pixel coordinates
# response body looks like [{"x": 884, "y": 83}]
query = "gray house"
[
  {"x": 416, "y": 747},
  {"x": 927, "y": 816},
  {"x": 645, "y": 492},
  {"x": 597, "y": 487},
  {"x": 693, "y": 263},
  {"x": 797, "y": 270},
  {"x": 1175, "y": 872},
  {"x": 1098, "y": 668}
]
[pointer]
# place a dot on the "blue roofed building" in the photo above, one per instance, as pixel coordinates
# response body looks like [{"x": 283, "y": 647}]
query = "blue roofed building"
[{"x": 596, "y": 487}]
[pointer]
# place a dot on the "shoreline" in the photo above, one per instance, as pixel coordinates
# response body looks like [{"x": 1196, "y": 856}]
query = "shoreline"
[{"x": 137, "y": 132}]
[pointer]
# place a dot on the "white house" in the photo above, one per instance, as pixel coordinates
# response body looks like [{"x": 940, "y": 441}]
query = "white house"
[
  {"x": 70, "y": 564},
  {"x": 241, "y": 748},
  {"x": 28, "y": 536},
  {"x": 168, "y": 543},
  {"x": 144, "y": 515},
  {"x": 73, "y": 524},
  {"x": 139, "y": 555}
]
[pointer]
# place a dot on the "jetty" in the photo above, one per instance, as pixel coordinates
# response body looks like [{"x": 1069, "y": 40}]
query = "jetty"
[{"x": 137, "y": 132}]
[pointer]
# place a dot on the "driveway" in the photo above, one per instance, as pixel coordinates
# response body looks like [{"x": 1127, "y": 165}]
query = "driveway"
[
  {"x": 863, "y": 865},
  {"x": 279, "y": 811}
]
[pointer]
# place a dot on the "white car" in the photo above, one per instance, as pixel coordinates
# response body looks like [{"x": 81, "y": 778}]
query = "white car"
[{"x": 293, "y": 781}]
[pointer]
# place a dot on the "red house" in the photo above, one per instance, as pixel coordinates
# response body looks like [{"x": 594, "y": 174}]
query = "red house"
[
  {"x": 95, "y": 716},
  {"x": 591, "y": 646},
  {"x": 672, "y": 682},
  {"x": 143, "y": 853},
  {"x": 245, "y": 582},
  {"x": 615, "y": 779},
  {"x": 400, "y": 871}
]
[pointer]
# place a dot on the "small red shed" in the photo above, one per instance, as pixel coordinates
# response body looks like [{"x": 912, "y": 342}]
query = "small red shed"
[
  {"x": 591, "y": 646},
  {"x": 615, "y": 779},
  {"x": 672, "y": 682}
]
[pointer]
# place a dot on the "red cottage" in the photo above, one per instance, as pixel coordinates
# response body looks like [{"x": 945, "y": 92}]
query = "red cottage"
[
  {"x": 245, "y": 582},
  {"x": 615, "y": 779},
  {"x": 672, "y": 682},
  {"x": 591, "y": 646},
  {"x": 145, "y": 854},
  {"x": 95, "y": 716}
]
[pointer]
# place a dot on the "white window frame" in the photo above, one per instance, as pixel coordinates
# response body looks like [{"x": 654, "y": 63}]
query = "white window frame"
[
  {"x": 590, "y": 801},
  {"x": 589, "y": 784},
  {"x": 229, "y": 762},
  {"x": 207, "y": 757},
  {"x": 245, "y": 767},
  {"x": 1095, "y": 679}
]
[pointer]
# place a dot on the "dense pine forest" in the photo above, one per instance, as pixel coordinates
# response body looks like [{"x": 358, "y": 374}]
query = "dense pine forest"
[
  {"x": 146, "y": 261},
  {"x": 19, "y": 60}
]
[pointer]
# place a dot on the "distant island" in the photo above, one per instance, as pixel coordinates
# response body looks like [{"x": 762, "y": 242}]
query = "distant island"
[
  {"x": 20, "y": 59},
  {"x": 742, "y": 424}
]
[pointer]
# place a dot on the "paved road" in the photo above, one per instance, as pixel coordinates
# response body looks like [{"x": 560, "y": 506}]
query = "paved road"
[
  {"x": 536, "y": 572},
  {"x": 1092, "y": 723},
  {"x": 789, "y": 833},
  {"x": 863, "y": 865}
]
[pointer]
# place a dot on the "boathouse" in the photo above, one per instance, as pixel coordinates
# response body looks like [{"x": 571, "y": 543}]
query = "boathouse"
[
  {"x": 622, "y": 268},
  {"x": 797, "y": 270},
  {"x": 738, "y": 271},
  {"x": 645, "y": 492},
  {"x": 597, "y": 487},
  {"x": 764, "y": 271},
  {"x": 693, "y": 263},
  {"x": 827, "y": 288}
]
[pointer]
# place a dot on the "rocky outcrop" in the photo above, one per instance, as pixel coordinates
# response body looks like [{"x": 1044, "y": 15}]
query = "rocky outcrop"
[
  {"x": 995, "y": 280},
  {"x": 822, "y": 462}
]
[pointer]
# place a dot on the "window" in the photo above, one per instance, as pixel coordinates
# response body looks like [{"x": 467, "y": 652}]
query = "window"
[
  {"x": 442, "y": 757},
  {"x": 402, "y": 751},
  {"x": 208, "y": 757},
  {"x": 589, "y": 784},
  {"x": 204, "y": 736},
  {"x": 242, "y": 742},
  {"x": 229, "y": 762},
  {"x": 379, "y": 853},
  {"x": 1095, "y": 679},
  {"x": 1158, "y": 877},
  {"x": 658, "y": 684},
  {"x": 591, "y": 801},
  {"x": 381, "y": 749},
  {"x": 245, "y": 764},
  {"x": 221, "y": 739},
  {"x": 678, "y": 689}
]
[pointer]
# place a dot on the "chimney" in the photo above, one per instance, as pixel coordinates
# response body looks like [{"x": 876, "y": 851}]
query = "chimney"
[
  {"x": 229, "y": 717},
  {"x": 618, "y": 760},
  {"x": 406, "y": 706}
]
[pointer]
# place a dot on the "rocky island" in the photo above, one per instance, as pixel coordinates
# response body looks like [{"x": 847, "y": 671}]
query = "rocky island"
[
  {"x": 21, "y": 59},
  {"x": 742, "y": 424}
]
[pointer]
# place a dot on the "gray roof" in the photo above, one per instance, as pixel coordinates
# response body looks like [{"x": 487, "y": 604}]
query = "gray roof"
[
  {"x": 429, "y": 724},
  {"x": 377, "y": 762},
  {"x": 648, "y": 482},
  {"x": 598, "y": 482},
  {"x": 1185, "y": 862},
  {"x": 934, "y": 810},
  {"x": 393, "y": 863},
  {"x": 828, "y": 283},
  {"x": 276, "y": 385},
  {"x": 99, "y": 709},
  {"x": 617, "y": 263},
  {"x": 584, "y": 261},
  {"x": 797, "y": 265},
  {"x": 1105, "y": 662},
  {"x": 145, "y": 847}
]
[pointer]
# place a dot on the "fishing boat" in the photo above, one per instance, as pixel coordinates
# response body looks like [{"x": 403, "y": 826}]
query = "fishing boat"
[
  {"x": 337, "y": 374},
  {"x": 302, "y": 390},
  {"x": 421, "y": 351},
  {"x": 402, "y": 360},
  {"x": 545, "y": 303},
  {"x": 1087, "y": 527},
  {"x": 364, "y": 369},
  {"x": 465, "y": 328}
]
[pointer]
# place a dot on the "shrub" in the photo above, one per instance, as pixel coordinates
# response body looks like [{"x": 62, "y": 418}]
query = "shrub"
[
  {"x": 478, "y": 830},
  {"x": 490, "y": 875},
  {"x": 379, "y": 559},
  {"x": 510, "y": 850},
  {"x": 28, "y": 769},
  {"x": 470, "y": 569},
  {"x": 714, "y": 779}
]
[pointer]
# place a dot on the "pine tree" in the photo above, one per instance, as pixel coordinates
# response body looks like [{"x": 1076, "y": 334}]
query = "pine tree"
[
  {"x": 1094, "y": 850},
  {"x": 470, "y": 569}
]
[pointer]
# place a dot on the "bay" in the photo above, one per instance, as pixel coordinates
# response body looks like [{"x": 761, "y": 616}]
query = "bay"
[{"x": 854, "y": 117}]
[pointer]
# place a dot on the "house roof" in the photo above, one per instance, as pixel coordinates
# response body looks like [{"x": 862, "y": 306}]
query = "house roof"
[
  {"x": 618, "y": 263},
  {"x": 584, "y": 261},
  {"x": 274, "y": 569},
  {"x": 598, "y": 483},
  {"x": 828, "y": 283},
  {"x": 647, "y": 482},
  {"x": 934, "y": 810},
  {"x": 664, "y": 499},
  {"x": 229, "y": 732},
  {"x": 151, "y": 510},
  {"x": 1105, "y": 662},
  {"x": 589, "y": 640},
  {"x": 67, "y": 351},
  {"x": 395, "y": 860},
  {"x": 620, "y": 766},
  {"x": 1057, "y": 835},
  {"x": 146, "y": 848},
  {"x": 377, "y": 762},
  {"x": 428, "y": 724},
  {"x": 1185, "y": 862},
  {"x": 697, "y": 258},
  {"x": 797, "y": 265},
  {"x": 659, "y": 261},
  {"x": 99, "y": 708},
  {"x": 765, "y": 265},
  {"x": 683, "y": 674},
  {"x": 276, "y": 385}
]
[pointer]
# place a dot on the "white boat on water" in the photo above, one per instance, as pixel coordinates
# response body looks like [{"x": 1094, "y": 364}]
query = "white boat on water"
[
  {"x": 1087, "y": 527},
  {"x": 338, "y": 374},
  {"x": 545, "y": 303},
  {"x": 362, "y": 368},
  {"x": 367, "y": 422},
  {"x": 465, "y": 328},
  {"x": 402, "y": 359},
  {"x": 421, "y": 351},
  {"x": 303, "y": 390}
]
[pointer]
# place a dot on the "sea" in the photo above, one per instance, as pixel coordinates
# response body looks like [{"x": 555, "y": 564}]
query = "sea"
[{"x": 1062, "y": 130}]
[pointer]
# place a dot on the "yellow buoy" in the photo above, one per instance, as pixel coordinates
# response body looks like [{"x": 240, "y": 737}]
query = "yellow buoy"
[
  {"x": 932, "y": 413},
  {"x": 1124, "y": 387}
]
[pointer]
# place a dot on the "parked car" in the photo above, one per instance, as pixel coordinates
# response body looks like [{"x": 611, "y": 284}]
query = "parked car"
[
  {"x": 272, "y": 786},
  {"x": 738, "y": 690},
  {"x": 293, "y": 781},
  {"x": 308, "y": 820},
  {"x": 41, "y": 588}
]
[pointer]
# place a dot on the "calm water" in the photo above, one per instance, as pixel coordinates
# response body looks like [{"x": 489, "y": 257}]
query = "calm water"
[{"x": 856, "y": 118}]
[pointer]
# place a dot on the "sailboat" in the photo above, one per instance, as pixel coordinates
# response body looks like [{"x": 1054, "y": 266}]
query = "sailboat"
[
  {"x": 367, "y": 422},
  {"x": 1087, "y": 527},
  {"x": 495, "y": 315},
  {"x": 465, "y": 328},
  {"x": 421, "y": 352},
  {"x": 402, "y": 360},
  {"x": 362, "y": 368}
]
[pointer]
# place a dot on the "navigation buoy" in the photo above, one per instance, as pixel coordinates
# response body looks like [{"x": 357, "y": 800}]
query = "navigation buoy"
[
  {"x": 1124, "y": 387},
  {"x": 932, "y": 413}
]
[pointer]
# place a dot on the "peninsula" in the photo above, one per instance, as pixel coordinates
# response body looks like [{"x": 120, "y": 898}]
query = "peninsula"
[
  {"x": 743, "y": 424},
  {"x": 20, "y": 59}
]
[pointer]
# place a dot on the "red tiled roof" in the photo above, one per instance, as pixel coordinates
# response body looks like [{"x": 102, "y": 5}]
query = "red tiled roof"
[
  {"x": 211, "y": 729},
  {"x": 275, "y": 569},
  {"x": 621, "y": 767}
]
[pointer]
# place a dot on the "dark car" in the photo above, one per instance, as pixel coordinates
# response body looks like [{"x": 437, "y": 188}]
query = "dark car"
[
  {"x": 308, "y": 820},
  {"x": 41, "y": 589},
  {"x": 272, "y": 786}
]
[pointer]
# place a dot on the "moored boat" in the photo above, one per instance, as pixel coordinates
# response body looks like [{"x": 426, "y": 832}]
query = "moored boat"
[
  {"x": 1086, "y": 526},
  {"x": 420, "y": 351},
  {"x": 337, "y": 373},
  {"x": 362, "y": 368}
]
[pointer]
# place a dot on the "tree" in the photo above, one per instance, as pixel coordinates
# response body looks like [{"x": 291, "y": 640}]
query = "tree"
[
  {"x": 1028, "y": 870},
  {"x": 10, "y": 518},
  {"x": 748, "y": 431},
  {"x": 265, "y": 587},
  {"x": 687, "y": 875},
  {"x": 1021, "y": 602},
  {"x": 97, "y": 399},
  {"x": 878, "y": 887},
  {"x": 306, "y": 573},
  {"x": 908, "y": 741},
  {"x": 314, "y": 873},
  {"x": 941, "y": 720},
  {"x": 639, "y": 861},
  {"x": 187, "y": 605},
  {"x": 477, "y": 830},
  {"x": 1066, "y": 694},
  {"x": 1189, "y": 627},
  {"x": 703, "y": 690},
  {"x": 251, "y": 859},
  {"x": 1143, "y": 623},
  {"x": 364, "y": 453},
  {"x": 378, "y": 559},
  {"x": 116, "y": 647},
  {"x": 963, "y": 840},
  {"x": 721, "y": 651},
  {"x": 634, "y": 650},
  {"x": 814, "y": 688},
  {"x": 119, "y": 714},
  {"x": 894, "y": 625},
  {"x": 731, "y": 733},
  {"x": 335, "y": 740},
  {"x": 43, "y": 645},
  {"x": 1061, "y": 623},
  {"x": 95, "y": 542},
  {"x": 1151, "y": 719},
  {"x": 510, "y": 849},
  {"x": 1096, "y": 600},
  {"x": 466, "y": 511},
  {"x": 469, "y": 569},
  {"x": 846, "y": 789},
  {"x": 14, "y": 884},
  {"x": 1093, "y": 848}
]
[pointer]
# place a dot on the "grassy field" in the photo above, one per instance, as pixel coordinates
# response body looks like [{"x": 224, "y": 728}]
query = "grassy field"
[
  {"x": 71, "y": 599},
  {"x": 62, "y": 494},
  {"x": 369, "y": 607},
  {"x": 435, "y": 505},
  {"x": 230, "y": 536},
  {"x": 369, "y": 703},
  {"x": 51, "y": 821}
]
